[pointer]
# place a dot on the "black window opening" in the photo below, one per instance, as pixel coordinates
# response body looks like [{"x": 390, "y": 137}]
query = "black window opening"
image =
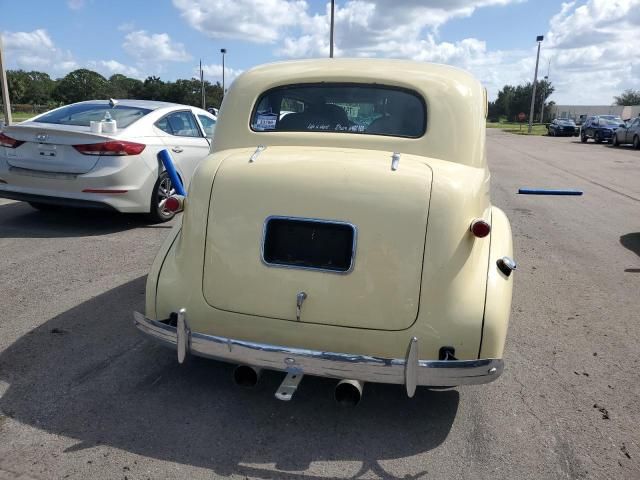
[
  {"x": 309, "y": 244},
  {"x": 341, "y": 108}
]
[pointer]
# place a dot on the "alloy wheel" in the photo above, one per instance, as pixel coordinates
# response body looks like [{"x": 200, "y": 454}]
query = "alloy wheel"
[{"x": 165, "y": 190}]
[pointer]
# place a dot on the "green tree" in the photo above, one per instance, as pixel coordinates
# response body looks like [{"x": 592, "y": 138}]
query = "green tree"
[
  {"x": 40, "y": 88},
  {"x": 81, "y": 84},
  {"x": 628, "y": 97},
  {"x": 214, "y": 94},
  {"x": 18, "y": 83},
  {"x": 121, "y": 86},
  {"x": 513, "y": 100},
  {"x": 153, "y": 89}
]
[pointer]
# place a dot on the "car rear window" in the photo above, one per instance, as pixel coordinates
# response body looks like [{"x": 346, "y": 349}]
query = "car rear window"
[
  {"x": 341, "y": 108},
  {"x": 81, "y": 114}
]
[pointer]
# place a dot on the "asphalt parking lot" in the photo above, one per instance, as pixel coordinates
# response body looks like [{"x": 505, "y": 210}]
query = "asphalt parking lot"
[{"x": 83, "y": 396}]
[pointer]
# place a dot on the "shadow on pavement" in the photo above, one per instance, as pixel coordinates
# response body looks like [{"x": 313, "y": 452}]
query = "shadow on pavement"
[
  {"x": 19, "y": 220},
  {"x": 631, "y": 241},
  {"x": 87, "y": 374}
]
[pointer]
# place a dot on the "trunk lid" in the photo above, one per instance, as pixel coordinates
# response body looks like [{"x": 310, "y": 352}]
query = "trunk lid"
[
  {"x": 50, "y": 148},
  {"x": 351, "y": 187}
]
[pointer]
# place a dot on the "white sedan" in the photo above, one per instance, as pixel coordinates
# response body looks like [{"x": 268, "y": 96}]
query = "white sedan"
[{"x": 76, "y": 155}]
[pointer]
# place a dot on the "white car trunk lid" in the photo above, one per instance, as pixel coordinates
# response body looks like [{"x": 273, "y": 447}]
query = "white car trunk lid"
[
  {"x": 381, "y": 291},
  {"x": 50, "y": 149}
]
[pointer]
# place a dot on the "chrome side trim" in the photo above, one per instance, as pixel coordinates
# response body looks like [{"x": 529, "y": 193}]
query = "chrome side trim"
[
  {"x": 316, "y": 220},
  {"x": 364, "y": 368}
]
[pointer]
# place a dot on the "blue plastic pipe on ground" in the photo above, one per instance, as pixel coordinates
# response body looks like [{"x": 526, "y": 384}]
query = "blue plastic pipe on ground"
[
  {"x": 167, "y": 161},
  {"x": 547, "y": 191}
]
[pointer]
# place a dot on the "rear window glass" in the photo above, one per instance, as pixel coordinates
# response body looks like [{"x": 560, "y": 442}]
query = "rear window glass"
[
  {"x": 341, "y": 108},
  {"x": 81, "y": 114}
]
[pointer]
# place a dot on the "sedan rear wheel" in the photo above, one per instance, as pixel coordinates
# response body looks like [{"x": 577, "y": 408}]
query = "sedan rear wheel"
[
  {"x": 162, "y": 190},
  {"x": 614, "y": 140},
  {"x": 583, "y": 138}
]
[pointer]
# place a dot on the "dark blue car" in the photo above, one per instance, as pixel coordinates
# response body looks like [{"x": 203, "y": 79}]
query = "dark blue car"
[{"x": 600, "y": 128}]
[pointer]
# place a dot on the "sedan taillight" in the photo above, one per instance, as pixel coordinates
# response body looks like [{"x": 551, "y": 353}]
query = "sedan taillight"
[
  {"x": 114, "y": 148},
  {"x": 9, "y": 142}
]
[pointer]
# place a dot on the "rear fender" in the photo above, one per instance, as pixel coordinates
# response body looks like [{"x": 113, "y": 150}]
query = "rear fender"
[{"x": 499, "y": 289}]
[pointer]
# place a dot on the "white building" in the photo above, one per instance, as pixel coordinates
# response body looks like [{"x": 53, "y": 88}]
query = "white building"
[{"x": 575, "y": 111}]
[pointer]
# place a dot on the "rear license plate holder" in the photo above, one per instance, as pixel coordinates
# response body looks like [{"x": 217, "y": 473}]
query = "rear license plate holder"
[{"x": 309, "y": 244}]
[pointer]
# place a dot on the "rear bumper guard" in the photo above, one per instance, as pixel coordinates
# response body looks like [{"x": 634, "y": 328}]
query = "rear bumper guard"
[{"x": 409, "y": 371}]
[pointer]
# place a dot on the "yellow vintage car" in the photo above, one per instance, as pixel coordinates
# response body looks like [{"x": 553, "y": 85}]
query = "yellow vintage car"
[{"x": 341, "y": 227}]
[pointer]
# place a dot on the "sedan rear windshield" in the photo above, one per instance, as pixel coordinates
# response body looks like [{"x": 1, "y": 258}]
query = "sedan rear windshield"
[
  {"x": 81, "y": 114},
  {"x": 341, "y": 108}
]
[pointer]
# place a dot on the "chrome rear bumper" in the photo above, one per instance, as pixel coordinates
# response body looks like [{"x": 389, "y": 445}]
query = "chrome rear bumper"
[{"x": 409, "y": 371}]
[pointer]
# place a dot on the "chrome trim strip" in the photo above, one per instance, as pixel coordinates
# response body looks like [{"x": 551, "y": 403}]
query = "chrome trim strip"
[
  {"x": 316, "y": 220},
  {"x": 327, "y": 364}
]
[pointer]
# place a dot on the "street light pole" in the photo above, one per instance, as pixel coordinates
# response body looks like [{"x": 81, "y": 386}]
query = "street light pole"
[
  {"x": 539, "y": 39},
  {"x": 4, "y": 88},
  {"x": 202, "y": 91},
  {"x": 333, "y": 7},
  {"x": 223, "y": 51}
]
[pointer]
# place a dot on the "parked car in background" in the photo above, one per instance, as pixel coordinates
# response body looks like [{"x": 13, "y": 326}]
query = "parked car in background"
[
  {"x": 629, "y": 133},
  {"x": 350, "y": 238},
  {"x": 563, "y": 127},
  {"x": 581, "y": 119},
  {"x": 600, "y": 128},
  {"x": 55, "y": 159}
]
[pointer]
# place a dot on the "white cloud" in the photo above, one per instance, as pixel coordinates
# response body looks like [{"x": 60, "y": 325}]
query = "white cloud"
[
  {"x": 155, "y": 47},
  {"x": 110, "y": 67},
  {"x": 594, "y": 43},
  {"x": 213, "y": 72},
  {"x": 36, "y": 50},
  {"x": 250, "y": 20}
]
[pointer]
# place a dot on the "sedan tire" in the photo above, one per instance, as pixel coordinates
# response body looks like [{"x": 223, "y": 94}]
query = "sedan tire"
[
  {"x": 44, "y": 207},
  {"x": 583, "y": 138},
  {"x": 162, "y": 190},
  {"x": 636, "y": 142},
  {"x": 597, "y": 138},
  {"x": 614, "y": 141}
]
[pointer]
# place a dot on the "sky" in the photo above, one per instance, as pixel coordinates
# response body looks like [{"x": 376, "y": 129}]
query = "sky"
[{"x": 590, "y": 51}]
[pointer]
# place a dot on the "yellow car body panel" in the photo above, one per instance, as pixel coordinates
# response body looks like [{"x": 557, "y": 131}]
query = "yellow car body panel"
[{"x": 418, "y": 270}]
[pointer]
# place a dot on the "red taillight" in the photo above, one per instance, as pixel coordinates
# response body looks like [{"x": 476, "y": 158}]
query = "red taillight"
[
  {"x": 115, "y": 147},
  {"x": 9, "y": 142},
  {"x": 174, "y": 204},
  {"x": 480, "y": 228}
]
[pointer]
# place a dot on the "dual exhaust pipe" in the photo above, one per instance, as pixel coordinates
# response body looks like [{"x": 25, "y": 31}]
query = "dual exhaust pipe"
[{"x": 348, "y": 393}]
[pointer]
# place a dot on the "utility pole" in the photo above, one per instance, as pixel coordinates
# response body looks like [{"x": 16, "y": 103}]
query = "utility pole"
[
  {"x": 223, "y": 51},
  {"x": 5, "y": 89},
  {"x": 202, "y": 93},
  {"x": 539, "y": 39},
  {"x": 333, "y": 7},
  {"x": 544, "y": 97}
]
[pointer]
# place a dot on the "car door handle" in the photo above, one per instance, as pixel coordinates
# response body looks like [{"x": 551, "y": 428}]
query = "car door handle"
[{"x": 177, "y": 149}]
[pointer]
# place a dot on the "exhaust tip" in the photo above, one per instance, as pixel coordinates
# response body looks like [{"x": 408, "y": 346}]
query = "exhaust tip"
[
  {"x": 348, "y": 393},
  {"x": 246, "y": 376}
]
